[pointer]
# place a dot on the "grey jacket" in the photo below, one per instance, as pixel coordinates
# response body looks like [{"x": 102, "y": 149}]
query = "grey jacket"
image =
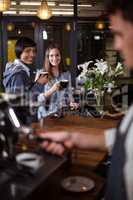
[{"x": 16, "y": 77}]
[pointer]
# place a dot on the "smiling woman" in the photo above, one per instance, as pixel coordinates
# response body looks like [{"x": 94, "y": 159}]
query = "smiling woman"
[
  {"x": 57, "y": 93},
  {"x": 28, "y": 55},
  {"x": 17, "y": 74}
]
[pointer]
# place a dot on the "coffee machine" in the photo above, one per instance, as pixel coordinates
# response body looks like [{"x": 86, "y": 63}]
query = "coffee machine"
[
  {"x": 11, "y": 128},
  {"x": 17, "y": 180}
]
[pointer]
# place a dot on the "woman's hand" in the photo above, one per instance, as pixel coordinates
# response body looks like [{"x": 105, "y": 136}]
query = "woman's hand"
[
  {"x": 43, "y": 79},
  {"x": 55, "y": 87}
]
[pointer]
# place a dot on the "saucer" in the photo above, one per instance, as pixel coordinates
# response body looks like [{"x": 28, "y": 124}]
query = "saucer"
[{"x": 77, "y": 184}]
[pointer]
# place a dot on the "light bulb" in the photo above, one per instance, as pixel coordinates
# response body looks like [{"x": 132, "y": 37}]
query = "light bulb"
[
  {"x": 4, "y": 5},
  {"x": 44, "y": 12}
]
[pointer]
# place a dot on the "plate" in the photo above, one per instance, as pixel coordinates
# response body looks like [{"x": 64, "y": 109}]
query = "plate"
[{"x": 77, "y": 184}]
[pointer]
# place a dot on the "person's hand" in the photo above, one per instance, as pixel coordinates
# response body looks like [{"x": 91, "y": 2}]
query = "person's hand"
[
  {"x": 57, "y": 142},
  {"x": 55, "y": 87},
  {"x": 43, "y": 79},
  {"x": 74, "y": 106}
]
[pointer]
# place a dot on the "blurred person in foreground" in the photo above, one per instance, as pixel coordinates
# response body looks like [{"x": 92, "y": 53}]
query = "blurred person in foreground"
[
  {"x": 119, "y": 140},
  {"x": 54, "y": 97}
]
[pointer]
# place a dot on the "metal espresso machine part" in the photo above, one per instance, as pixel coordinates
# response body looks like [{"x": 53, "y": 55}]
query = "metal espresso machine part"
[{"x": 21, "y": 174}]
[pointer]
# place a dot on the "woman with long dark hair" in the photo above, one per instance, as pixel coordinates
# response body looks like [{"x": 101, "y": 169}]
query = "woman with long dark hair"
[{"x": 54, "y": 97}]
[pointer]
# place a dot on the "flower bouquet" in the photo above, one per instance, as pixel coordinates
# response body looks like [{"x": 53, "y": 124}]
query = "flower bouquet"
[{"x": 99, "y": 77}]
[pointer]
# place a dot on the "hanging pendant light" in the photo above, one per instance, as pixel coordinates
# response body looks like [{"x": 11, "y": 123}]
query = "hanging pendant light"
[
  {"x": 4, "y": 5},
  {"x": 44, "y": 12},
  {"x": 10, "y": 27},
  {"x": 100, "y": 25}
]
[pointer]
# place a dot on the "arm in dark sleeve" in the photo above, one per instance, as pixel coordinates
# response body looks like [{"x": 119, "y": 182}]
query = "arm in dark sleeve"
[
  {"x": 19, "y": 83},
  {"x": 35, "y": 90}
]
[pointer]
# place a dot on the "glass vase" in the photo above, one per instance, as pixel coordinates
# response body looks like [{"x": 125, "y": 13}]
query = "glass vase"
[{"x": 99, "y": 95}]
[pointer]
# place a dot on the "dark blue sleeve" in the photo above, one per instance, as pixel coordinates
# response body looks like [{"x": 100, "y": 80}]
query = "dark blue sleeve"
[
  {"x": 19, "y": 83},
  {"x": 36, "y": 89}
]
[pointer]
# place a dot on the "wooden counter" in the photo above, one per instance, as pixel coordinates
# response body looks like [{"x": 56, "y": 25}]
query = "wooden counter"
[{"x": 85, "y": 125}]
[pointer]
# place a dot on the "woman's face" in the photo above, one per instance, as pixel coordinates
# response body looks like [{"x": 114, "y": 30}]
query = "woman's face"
[
  {"x": 54, "y": 57},
  {"x": 28, "y": 55}
]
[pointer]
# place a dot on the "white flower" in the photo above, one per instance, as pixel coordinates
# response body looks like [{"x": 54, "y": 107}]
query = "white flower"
[
  {"x": 85, "y": 65},
  {"x": 101, "y": 66},
  {"x": 99, "y": 76},
  {"x": 119, "y": 69},
  {"x": 84, "y": 68},
  {"x": 119, "y": 66},
  {"x": 82, "y": 77}
]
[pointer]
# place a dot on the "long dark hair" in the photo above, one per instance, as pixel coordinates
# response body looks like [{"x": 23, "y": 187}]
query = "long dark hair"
[{"x": 47, "y": 64}]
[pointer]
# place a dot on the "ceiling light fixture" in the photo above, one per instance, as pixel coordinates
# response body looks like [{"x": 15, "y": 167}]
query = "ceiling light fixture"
[
  {"x": 13, "y": 3},
  {"x": 62, "y": 13},
  {"x": 85, "y": 5},
  {"x": 44, "y": 12},
  {"x": 10, "y": 12},
  {"x": 68, "y": 27},
  {"x": 19, "y": 32},
  {"x": 4, "y": 5},
  {"x": 64, "y": 4},
  {"x": 100, "y": 25},
  {"x": 27, "y": 13},
  {"x": 97, "y": 37},
  {"x": 10, "y": 27},
  {"x": 33, "y": 3},
  {"x": 62, "y": 9},
  {"x": 45, "y": 35}
]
